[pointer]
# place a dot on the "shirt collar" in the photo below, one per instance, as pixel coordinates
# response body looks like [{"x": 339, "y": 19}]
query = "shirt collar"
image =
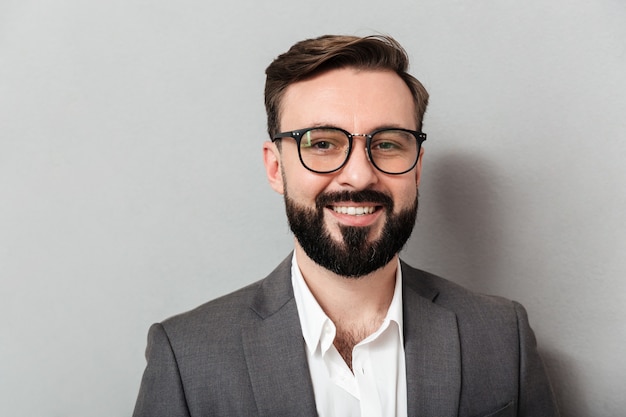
[{"x": 317, "y": 328}]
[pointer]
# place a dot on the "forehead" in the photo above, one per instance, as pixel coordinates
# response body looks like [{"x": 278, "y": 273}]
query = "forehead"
[{"x": 353, "y": 99}]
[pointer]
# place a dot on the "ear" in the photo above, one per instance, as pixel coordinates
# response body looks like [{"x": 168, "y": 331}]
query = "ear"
[
  {"x": 271, "y": 159},
  {"x": 418, "y": 171}
]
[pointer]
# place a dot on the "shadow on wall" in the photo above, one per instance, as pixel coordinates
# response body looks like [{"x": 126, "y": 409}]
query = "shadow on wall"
[
  {"x": 464, "y": 236},
  {"x": 470, "y": 204},
  {"x": 567, "y": 382}
]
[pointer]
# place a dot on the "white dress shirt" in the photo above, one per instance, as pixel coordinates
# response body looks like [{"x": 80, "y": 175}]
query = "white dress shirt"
[{"x": 377, "y": 388}]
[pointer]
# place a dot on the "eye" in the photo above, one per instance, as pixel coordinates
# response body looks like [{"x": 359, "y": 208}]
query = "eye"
[
  {"x": 323, "y": 140},
  {"x": 388, "y": 145},
  {"x": 322, "y": 144},
  {"x": 385, "y": 146},
  {"x": 392, "y": 141}
]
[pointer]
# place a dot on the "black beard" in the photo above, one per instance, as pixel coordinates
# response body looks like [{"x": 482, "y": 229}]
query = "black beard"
[{"x": 355, "y": 256}]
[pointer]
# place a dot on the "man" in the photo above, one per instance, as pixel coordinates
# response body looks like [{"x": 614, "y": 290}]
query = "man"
[{"x": 342, "y": 327}]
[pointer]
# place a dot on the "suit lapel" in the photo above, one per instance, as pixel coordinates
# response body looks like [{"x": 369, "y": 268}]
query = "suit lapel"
[
  {"x": 432, "y": 351},
  {"x": 274, "y": 350}
]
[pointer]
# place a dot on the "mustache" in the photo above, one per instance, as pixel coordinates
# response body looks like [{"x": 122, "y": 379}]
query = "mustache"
[{"x": 363, "y": 196}]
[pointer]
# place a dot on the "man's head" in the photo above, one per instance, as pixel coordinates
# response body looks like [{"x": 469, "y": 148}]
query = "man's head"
[
  {"x": 353, "y": 102},
  {"x": 311, "y": 57}
]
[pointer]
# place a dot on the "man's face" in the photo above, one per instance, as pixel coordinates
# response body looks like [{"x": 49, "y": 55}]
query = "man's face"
[{"x": 355, "y": 220}]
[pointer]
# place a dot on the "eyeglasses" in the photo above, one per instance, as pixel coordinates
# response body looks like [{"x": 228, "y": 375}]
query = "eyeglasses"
[{"x": 326, "y": 149}]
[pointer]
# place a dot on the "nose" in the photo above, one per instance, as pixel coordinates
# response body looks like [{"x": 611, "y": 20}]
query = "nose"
[{"x": 358, "y": 173}]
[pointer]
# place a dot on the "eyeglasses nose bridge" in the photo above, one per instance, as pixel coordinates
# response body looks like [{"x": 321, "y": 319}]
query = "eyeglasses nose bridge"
[{"x": 367, "y": 138}]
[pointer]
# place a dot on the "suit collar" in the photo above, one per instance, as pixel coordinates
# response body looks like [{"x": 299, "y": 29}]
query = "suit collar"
[
  {"x": 414, "y": 280},
  {"x": 274, "y": 291}
]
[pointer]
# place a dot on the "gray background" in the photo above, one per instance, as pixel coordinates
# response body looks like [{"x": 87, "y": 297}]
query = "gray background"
[{"x": 132, "y": 185}]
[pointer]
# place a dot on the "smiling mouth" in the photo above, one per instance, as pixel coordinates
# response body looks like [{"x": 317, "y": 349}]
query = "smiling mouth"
[
  {"x": 354, "y": 210},
  {"x": 362, "y": 205}
]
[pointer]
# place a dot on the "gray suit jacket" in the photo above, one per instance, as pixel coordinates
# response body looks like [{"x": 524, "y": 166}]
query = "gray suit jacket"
[{"x": 243, "y": 355}]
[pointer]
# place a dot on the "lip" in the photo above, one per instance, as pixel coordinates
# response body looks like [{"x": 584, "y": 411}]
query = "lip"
[{"x": 355, "y": 214}]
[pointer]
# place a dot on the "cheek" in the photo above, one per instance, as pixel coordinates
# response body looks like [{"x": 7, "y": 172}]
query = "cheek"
[
  {"x": 405, "y": 197},
  {"x": 302, "y": 185}
]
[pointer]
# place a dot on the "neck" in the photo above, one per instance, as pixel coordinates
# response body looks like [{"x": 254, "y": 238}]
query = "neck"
[{"x": 350, "y": 302}]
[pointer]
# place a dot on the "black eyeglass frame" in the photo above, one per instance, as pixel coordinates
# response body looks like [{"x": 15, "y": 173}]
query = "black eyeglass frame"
[{"x": 297, "y": 135}]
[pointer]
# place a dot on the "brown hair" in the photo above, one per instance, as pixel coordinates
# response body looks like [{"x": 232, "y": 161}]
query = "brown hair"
[{"x": 310, "y": 57}]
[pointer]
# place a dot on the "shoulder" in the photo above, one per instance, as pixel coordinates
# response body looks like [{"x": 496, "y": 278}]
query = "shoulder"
[
  {"x": 497, "y": 349},
  {"x": 471, "y": 308},
  {"x": 489, "y": 328},
  {"x": 229, "y": 312},
  {"x": 222, "y": 309}
]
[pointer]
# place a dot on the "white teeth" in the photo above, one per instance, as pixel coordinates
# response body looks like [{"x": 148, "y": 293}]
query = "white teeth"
[{"x": 354, "y": 211}]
